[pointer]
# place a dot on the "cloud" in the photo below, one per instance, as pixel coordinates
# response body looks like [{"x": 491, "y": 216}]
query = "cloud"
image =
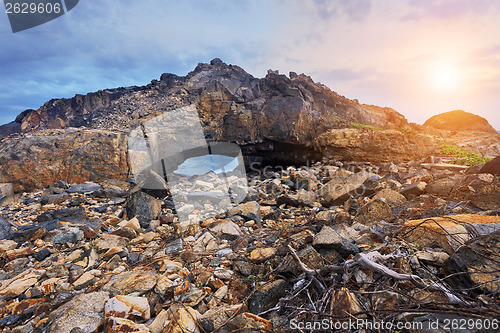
[
  {"x": 448, "y": 9},
  {"x": 356, "y": 10}
]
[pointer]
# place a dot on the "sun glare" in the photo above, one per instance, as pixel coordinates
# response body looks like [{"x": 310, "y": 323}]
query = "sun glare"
[{"x": 445, "y": 77}]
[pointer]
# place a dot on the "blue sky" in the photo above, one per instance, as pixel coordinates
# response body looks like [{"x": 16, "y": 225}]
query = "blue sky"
[{"x": 418, "y": 57}]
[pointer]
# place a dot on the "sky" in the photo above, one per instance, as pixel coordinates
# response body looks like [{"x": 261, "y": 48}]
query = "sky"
[{"x": 420, "y": 57}]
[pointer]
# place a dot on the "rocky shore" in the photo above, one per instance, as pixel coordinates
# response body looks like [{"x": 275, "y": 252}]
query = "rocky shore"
[{"x": 412, "y": 242}]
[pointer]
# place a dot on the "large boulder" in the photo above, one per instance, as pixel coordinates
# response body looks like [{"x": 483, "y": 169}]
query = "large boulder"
[
  {"x": 459, "y": 120},
  {"x": 75, "y": 156}
]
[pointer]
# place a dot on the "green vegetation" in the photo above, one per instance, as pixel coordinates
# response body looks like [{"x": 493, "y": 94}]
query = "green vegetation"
[
  {"x": 463, "y": 156},
  {"x": 406, "y": 131},
  {"x": 365, "y": 126}
]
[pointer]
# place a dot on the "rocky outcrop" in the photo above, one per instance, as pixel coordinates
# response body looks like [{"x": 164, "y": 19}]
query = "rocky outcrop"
[
  {"x": 39, "y": 159},
  {"x": 233, "y": 106},
  {"x": 459, "y": 120}
]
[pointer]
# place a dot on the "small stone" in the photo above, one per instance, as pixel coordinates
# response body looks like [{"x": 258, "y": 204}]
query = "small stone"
[
  {"x": 159, "y": 322},
  {"x": 391, "y": 197},
  {"x": 54, "y": 199},
  {"x": 86, "y": 187},
  {"x": 143, "y": 206},
  {"x": 28, "y": 233},
  {"x": 432, "y": 257},
  {"x": 174, "y": 247},
  {"x": 338, "y": 190},
  {"x": 128, "y": 307},
  {"x": 125, "y": 232},
  {"x": 106, "y": 241},
  {"x": 18, "y": 284},
  {"x": 249, "y": 210},
  {"x": 261, "y": 255},
  {"x": 249, "y": 321},
  {"x": 131, "y": 224},
  {"x": 5, "y": 230},
  {"x": 42, "y": 254},
  {"x": 223, "y": 274},
  {"x": 133, "y": 258},
  {"x": 227, "y": 226},
  {"x": 374, "y": 212},
  {"x": 7, "y": 245}
]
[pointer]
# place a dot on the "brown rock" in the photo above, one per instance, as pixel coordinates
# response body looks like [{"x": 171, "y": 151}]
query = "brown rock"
[
  {"x": 41, "y": 159},
  {"x": 18, "y": 284},
  {"x": 391, "y": 197},
  {"x": 261, "y": 255},
  {"x": 119, "y": 325},
  {"x": 345, "y": 304},
  {"x": 374, "y": 212},
  {"x": 106, "y": 242},
  {"x": 449, "y": 232}
]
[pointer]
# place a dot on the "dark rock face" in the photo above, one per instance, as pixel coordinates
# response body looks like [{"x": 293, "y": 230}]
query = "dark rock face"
[{"x": 459, "y": 120}]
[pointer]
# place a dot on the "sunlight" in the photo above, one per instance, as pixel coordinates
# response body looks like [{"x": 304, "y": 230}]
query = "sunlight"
[{"x": 445, "y": 77}]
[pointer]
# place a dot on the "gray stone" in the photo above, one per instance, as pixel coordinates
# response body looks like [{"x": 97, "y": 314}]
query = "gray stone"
[
  {"x": 413, "y": 189},
  {"x": 266, "y": 296},
  {"x": 249, "y": 210},
  {"x": 86, "y": 187},
  {"x": 54, "y": 198},
  {"x": 338, "y": 190},
  {"x": 143, "y": 206},
  {"x": 475, "y": 265},
  {"x": 331, "y": 239},
  {"x": 6, "y": 231},
  {"x": 174, "y": 247},
  {"x": 72, "y": 235}
]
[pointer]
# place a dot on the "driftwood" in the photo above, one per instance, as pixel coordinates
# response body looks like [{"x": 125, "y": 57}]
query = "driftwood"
[{"x": 370, "y": 261}]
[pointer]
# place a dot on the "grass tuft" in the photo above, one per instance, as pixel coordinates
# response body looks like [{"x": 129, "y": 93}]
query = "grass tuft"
[{"x": 365, "y": 126}]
